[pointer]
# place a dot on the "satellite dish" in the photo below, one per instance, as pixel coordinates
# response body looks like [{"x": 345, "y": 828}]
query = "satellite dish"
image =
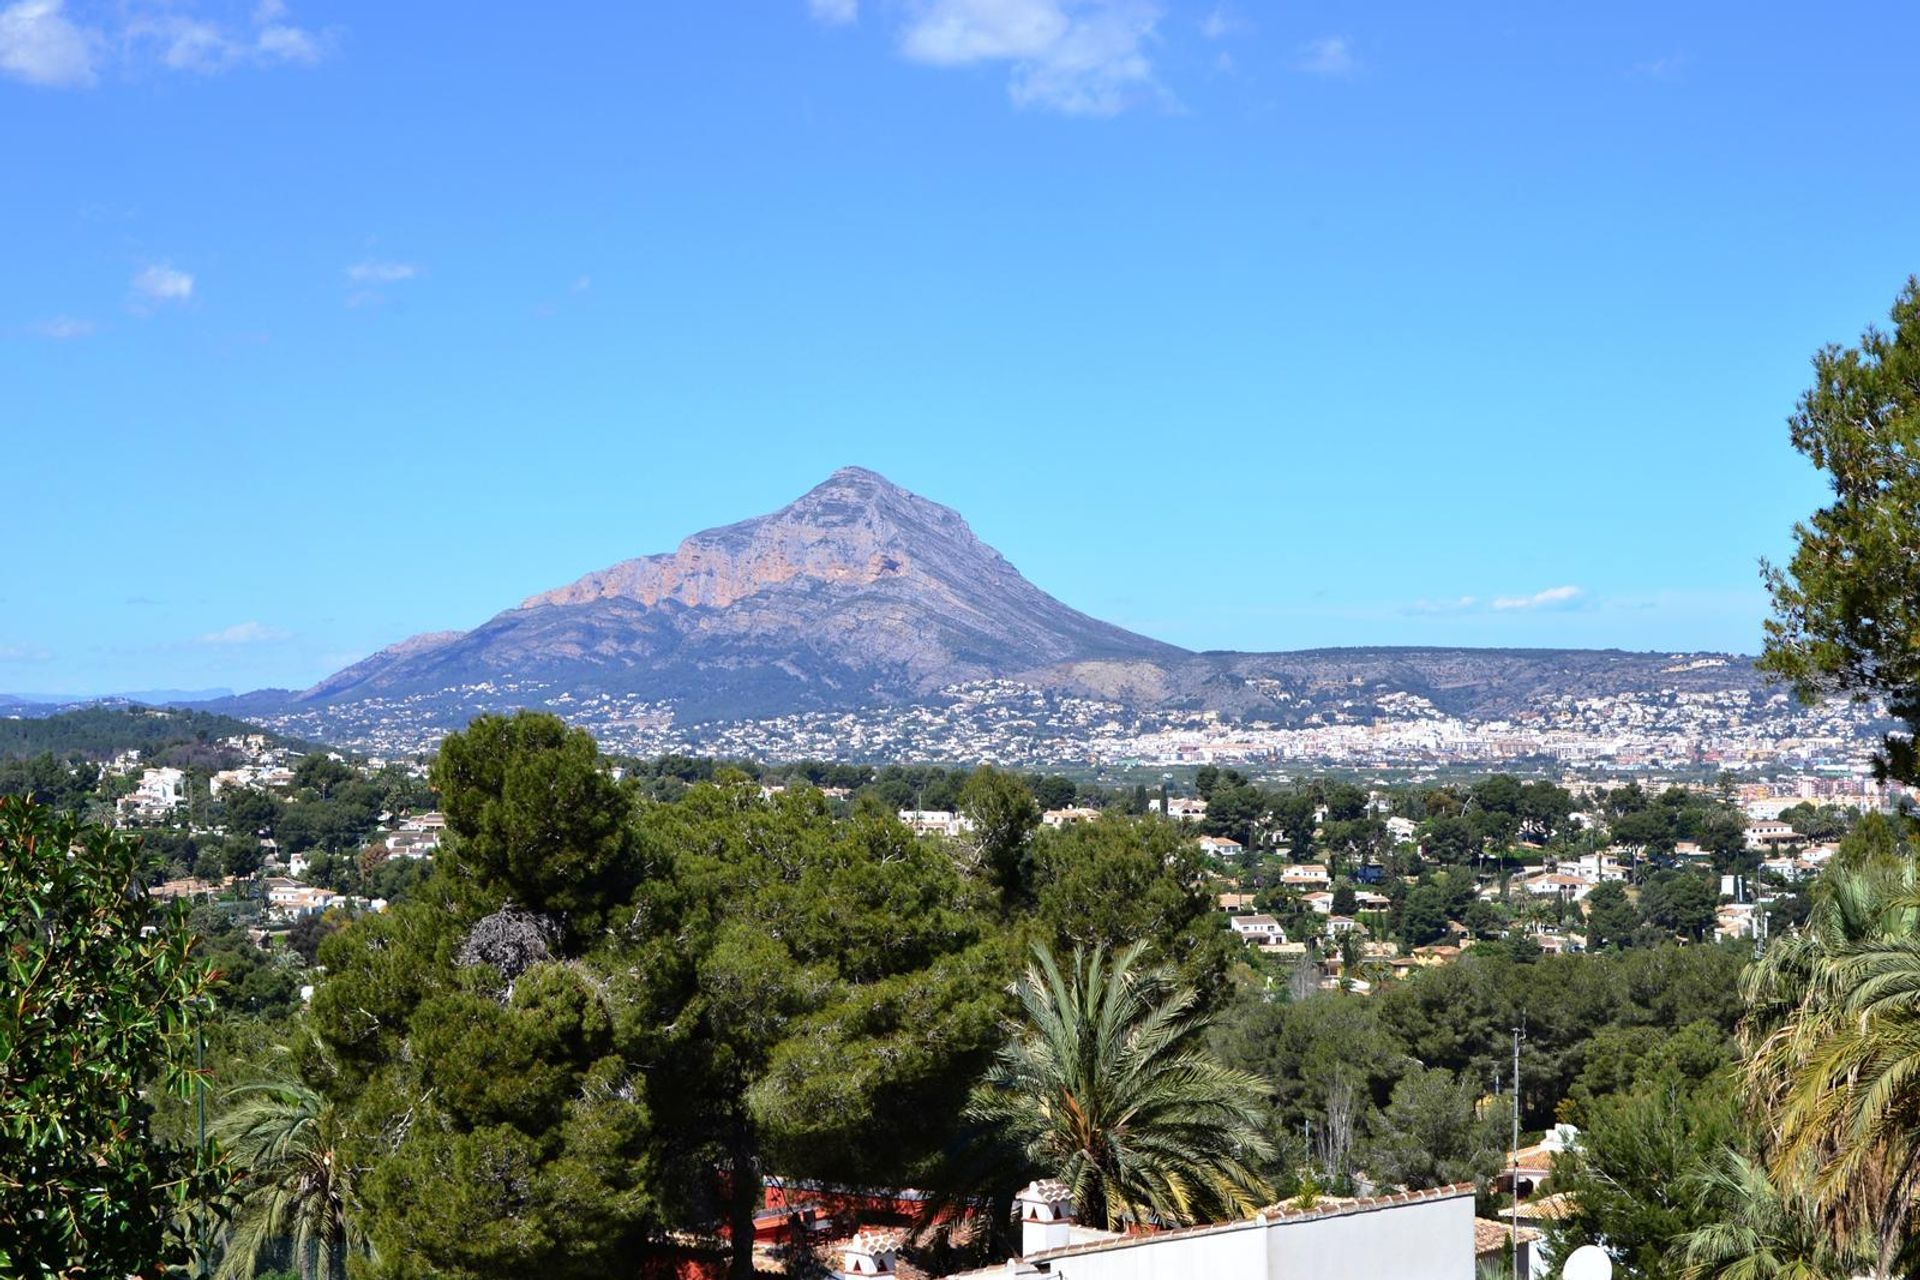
[{"x": 1588, "y": 1262}]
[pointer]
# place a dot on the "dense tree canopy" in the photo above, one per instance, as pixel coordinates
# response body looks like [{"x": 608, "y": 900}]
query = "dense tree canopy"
[
  {"x": 1846, "y": 607},
  {"x": 100, "y": 984}
]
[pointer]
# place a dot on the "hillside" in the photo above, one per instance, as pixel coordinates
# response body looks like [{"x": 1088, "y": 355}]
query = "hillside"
[{"x": 103, "y": 731}]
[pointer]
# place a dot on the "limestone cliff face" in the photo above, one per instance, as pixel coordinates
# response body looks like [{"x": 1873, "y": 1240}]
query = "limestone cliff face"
[
  {"x": 852, "y": 531},
  {"x": 857, "y": 592}
]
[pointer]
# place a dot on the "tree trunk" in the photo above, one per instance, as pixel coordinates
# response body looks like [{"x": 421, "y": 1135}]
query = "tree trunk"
[{"x": 743, "y": 1195}]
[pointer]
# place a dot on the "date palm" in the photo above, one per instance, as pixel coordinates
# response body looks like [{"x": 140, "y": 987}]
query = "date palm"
[
  {"x": 1833, "y": 1053},
  {"x": 1760, "y": 1232},
  {"x": 296, "y": 1191},
  {"x": 1104, "y": 1085}
]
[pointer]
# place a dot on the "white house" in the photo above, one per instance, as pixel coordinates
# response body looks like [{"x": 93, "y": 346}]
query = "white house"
[
  {"x": 291, "y": 900},
  {"x": 1557, "y": 884},
  {"x": 1765, "y": 836},
  {"x": 936, "y": 822},
  {"x": 1402, "y": 829},
  {"x": 1183, "y": 808},
  {"x": 1262, "y": 930},
  {"x": 1414, "y": 1235},
  {"x": 1222, "y": 847},
  {"x": 158, "y": 791},
  {"x": 1305, "y": 875},
  {"x": 1066, "y": 817}
]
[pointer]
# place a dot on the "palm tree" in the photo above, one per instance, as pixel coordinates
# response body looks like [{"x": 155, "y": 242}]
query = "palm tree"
[
  {"x": 1762, "y": 1233},
  {"x": 1833, "y": 1051},
  {"x": 295, "y": 1189},
  {"x": 1103, "y": 1085}
]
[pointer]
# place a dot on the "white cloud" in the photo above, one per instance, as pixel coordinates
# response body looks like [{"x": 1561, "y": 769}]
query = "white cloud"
[
  {"x": 162, "y": 283},
  {"x": 835, "y": 12},
  {"x": 23, "y": 653},
  {"x": 186, "y": 43},
  {"x": 1222, "y": 21},
  {"x": 1540, "y": 599},
  {"x": 1327, "y": 56},
  {"x": 245, "y": 633},
  {"x": 1666, "y": 68},
  {"x": 41, "y": 45},
  {"x": 381, "y": 272},
  {"x": 582, "y": 283},
  {"x": 63, "y": 328},
  {"x": 1081, "y": 57},
  {"x": 1459, "y": 604}
]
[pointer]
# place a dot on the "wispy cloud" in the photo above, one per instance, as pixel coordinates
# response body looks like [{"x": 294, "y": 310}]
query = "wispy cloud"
[
  {"x": 24, "y": 653},
  {"x": 182, "y": 41},
  {"x": 835, "y": 12},
  {"x": 1327, "y": 56},
  {"x": 372, "y": 277},
  {"x": 1665, "y": 68},
  {"x": 160, "y": 283},
  {"x": 63, "y": 328},
  {"x": 241, "y": 633},
  {"x": 41, "y": 42},
  {"x": 1079, "y": 57},
  {"x": 1458, "y": 604},
  {"x": 381, "y": 272},
  {"x": 1551, "y": 598},
  {"x": 41, "y": 45},
  {"x": 1223, "y": 21}
]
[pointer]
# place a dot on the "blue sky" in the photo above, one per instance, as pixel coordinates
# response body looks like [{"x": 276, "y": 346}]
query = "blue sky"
[{"x": 1247, "y": 325}]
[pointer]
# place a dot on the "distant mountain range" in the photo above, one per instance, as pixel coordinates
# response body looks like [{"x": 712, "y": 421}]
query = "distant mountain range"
[
  {"x": 47, "y": 703},
  {"x": 861, "y": 598}
]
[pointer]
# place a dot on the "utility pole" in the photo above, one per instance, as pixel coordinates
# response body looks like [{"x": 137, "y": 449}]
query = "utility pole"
[
  {"x": 200, "y": 1097},
  {"x": 1513, "y": 1162}
]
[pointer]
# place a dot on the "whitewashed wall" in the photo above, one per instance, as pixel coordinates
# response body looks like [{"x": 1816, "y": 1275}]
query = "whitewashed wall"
[{"x": 1427, "y": 1240}]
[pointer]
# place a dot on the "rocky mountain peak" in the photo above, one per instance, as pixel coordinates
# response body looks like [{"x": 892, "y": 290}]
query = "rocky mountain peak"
[
  {"x": 856, "y": 592},
  {"x": 854, "y": 529}
]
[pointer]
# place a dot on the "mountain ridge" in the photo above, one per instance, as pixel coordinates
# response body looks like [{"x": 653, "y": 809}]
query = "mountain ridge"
[
  {"x": 857, "y": 591},
  {"x": 862, "y": 599}
]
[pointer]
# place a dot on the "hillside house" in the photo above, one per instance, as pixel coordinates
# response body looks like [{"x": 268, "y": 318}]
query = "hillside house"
[
  {"x": 1066, "y": 817},
  {"x": 1264, "y": 931},
  {"x": 1227, "y": 850},
  {"x": 1182, "y": 808},
  {"x": 936, "y": 822}
]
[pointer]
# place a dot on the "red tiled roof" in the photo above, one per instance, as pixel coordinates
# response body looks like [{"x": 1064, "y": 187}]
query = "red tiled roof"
[{"x": 1490, "y": 1236}]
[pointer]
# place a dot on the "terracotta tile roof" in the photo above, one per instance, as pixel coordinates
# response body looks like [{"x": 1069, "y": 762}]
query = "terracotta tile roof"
[{"x": 1491, "y": 1237}]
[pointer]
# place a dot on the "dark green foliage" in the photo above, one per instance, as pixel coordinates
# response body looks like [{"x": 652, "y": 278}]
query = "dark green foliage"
[
  {"x": 1631, "y": 1183},
  {"x": 99, "y": 733},
  {"x": 1115, "y": 882},
  {"x": 1846, "y": 608},
  {"x": 95, "y": 1005},
  {"x": 1004, "y": 815},
  {"x": 1430, "y": 1134},
  {"x": 58, "y": 784},
  {"x": 1612, "y": 919},
  {"x": 539, "y": 819},
  {"x": 1680, "y": 902},
  {"x": 1595, "y": 1026}
]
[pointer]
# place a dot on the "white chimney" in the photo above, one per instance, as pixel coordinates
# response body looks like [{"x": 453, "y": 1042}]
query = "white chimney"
[
  {"x": 870, "y": 1254},
  {"x": 1046, "y": 1214}
]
